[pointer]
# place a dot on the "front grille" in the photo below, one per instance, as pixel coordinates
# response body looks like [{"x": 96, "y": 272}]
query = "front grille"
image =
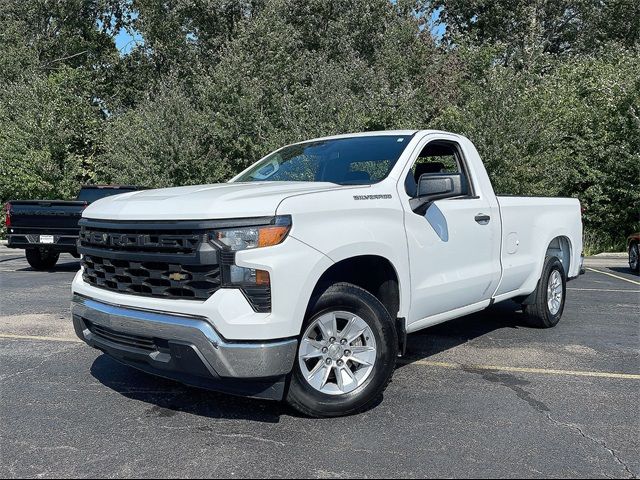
[
  {"x": 142, "y": 240},
  {"x": 121, "y": 338},
  {"x": 173, "y": 260},
  {"x": 154, "y": 279}
]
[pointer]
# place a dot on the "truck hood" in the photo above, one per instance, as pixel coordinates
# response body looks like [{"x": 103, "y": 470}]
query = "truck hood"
[{"x": 202, "y": 202}]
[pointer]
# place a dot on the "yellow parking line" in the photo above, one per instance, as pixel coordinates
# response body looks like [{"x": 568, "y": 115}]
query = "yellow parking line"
[
  {"x": 427, "y": 363},
  {"x": 8, "y": 336},
  {"x": 542, "y": 371},
  {"x": 614, "y": 276},
  {"x": 603, "y": 290}
]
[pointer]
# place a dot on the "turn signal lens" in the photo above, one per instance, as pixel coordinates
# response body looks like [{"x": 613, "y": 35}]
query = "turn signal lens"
[
  {"x": 262, "y": 278},
  {"x": 273, "y": 235}
]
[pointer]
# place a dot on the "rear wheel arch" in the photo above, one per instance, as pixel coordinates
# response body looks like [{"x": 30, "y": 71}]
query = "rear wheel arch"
[{"x": 561, "y": 248}]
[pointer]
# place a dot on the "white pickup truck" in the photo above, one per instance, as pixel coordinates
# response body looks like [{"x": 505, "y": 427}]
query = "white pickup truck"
[{"x": 301, "y": 277}]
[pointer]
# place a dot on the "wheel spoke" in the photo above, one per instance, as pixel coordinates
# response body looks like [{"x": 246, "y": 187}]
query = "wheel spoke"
[
  {"x": 357, "y": 333},
  {"x": 363, "y": 355},
  {"x": 333, "y": 325},
  {"x": 315, "y": 370},
  {"x": 312, "y": 343},
  {"x": 339, "y": 379},
  {"x": 348, "y": 327},
  {"x": 310, "y": 355},
  {"x": 318, "y": 377},
  {"x": 350, "y": 374},
  {"x": 323, "y": 329}
]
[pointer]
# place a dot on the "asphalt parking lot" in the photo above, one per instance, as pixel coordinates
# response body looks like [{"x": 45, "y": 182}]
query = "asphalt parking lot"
[{"x": 482, "y": 396}]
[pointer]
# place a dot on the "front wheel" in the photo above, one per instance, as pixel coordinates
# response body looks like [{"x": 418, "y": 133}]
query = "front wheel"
[
  {"x": 634, "y": 263},
  {"x": 41, "y": 260},
  {"x": 548, "y": 305},
  {"x": 346, "y": 356}
]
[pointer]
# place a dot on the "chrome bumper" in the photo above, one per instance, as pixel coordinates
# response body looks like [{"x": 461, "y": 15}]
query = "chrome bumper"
[{"x": 158, "y": 340}]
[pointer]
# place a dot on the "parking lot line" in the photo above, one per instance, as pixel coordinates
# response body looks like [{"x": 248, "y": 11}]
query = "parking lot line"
[
  {"x": 502, "y": 368},
  {"x": 614, "y": 276},
  {"x": 426, "y": 363},
  {"x": 603, "y": 290},
  {"x": 7, "y": 336}
]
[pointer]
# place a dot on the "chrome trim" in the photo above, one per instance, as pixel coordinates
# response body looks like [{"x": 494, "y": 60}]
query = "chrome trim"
[{"x": 221, "y": 357}]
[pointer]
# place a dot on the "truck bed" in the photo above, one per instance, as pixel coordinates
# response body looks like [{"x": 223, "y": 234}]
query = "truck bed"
[{"x": 523, "y": 220}]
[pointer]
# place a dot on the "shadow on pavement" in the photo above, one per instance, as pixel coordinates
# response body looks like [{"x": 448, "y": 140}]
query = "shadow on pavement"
[
  {"x": 439, "y": 338},
  {"x": 166, "y": 397}
]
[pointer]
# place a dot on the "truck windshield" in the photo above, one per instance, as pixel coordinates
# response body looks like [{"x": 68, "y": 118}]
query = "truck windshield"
[{"x": 345, "y": 161}]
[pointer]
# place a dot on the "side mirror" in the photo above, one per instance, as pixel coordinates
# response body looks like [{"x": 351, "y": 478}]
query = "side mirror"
[
  {"x": 440, "y": 185},
  {"x": 436, "y": 186}
]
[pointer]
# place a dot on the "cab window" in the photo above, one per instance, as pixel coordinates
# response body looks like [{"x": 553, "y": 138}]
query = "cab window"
[{"x": 438, "y": 156}]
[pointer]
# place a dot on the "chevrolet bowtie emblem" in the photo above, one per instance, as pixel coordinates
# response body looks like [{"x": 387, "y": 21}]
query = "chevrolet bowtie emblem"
[{"x": 177, "y": 276}]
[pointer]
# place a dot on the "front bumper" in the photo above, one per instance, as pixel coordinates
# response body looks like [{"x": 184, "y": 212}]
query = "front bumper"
[{"x": 184, "y": 348}]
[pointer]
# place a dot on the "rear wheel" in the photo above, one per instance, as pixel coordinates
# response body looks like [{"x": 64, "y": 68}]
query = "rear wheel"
[
  {"x": 41, "y": 259},
  {"x": 634, "y": 263},
  {"x": 548, "y": 305},
  {"x": 346, "y": 356}
]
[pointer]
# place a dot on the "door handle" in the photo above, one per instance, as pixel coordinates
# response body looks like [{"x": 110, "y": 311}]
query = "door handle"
[{"x": 482, "y": 218}]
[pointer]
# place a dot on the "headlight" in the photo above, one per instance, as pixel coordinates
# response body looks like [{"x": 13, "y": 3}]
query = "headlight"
[
  {"x": 254, "y": 283},
  {"x": 243, "y": 238}
]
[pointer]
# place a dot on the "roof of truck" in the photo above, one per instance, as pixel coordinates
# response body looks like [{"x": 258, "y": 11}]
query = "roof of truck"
[{"x": 399, "y": 133}]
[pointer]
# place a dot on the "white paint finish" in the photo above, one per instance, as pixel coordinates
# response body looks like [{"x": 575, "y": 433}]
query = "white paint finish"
[
  {"x": 447, "y": 264},
  {"x": 341, "y": 227},
  {"x": 226, "y": 200},
  {"x": 536, "y": 222},
  {"x": 453, "y": 260}
]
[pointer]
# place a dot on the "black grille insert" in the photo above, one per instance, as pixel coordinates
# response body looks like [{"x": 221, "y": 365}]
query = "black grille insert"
[
  {"x": 121, "y": 338},
  {"x": 154, "y": 279},
  {"x": 157, "y": 241}
]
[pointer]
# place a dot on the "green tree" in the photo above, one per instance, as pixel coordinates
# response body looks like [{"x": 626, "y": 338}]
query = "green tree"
[{"x": 570, "y": 131}]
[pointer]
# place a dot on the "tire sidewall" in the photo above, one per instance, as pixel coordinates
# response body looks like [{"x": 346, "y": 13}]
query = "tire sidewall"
[
  {"x": 552, "y": 264},
  {"x": 632, "y": 247},
  {"x": 41, "y": 261},
  {"x": 346, "y": 297}
]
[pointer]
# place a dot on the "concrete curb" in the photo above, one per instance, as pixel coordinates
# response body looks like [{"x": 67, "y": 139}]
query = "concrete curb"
[
  {"x": 3, "y": 242},
  {"x": 611, "y": 255}
]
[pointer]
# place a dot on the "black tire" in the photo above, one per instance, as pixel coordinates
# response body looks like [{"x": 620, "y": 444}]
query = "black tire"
[
  {"x": 41, "y": 260},
  {"x": 347, "y": 297},
  {"x": 538, "y": 313},
  {"x": 634, "y": 257}
]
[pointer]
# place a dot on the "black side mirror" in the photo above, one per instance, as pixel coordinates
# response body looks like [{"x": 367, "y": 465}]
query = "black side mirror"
[
  {"x": 437, "y": 186},
  {"x": 440, "y": 185}
]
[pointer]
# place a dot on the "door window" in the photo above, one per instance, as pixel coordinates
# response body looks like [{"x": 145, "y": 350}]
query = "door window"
[{"x": 439, "y": 156}]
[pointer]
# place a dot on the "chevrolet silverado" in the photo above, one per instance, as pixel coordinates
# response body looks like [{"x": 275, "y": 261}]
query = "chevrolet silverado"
[{"x": 301, "y": 277}]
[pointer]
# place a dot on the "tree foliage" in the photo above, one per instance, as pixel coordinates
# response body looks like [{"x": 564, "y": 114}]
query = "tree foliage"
[{"x": 549, "y": 91}]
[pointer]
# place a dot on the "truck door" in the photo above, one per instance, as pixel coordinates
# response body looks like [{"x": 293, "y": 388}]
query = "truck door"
[{"x": 453, "y": 243}]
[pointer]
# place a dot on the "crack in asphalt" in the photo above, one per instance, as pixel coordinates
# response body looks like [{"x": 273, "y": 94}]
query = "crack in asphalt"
[
  {"x": 601, "y": 443},
  {"x": 515, "y": 384}
]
